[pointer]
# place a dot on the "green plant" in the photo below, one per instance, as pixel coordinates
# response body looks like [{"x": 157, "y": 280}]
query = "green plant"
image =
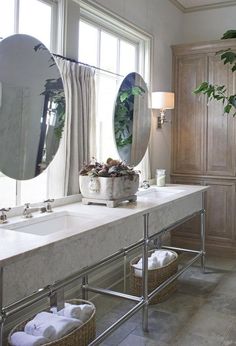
[
  {"x": 219, "y": 92},
  {"x": 123, "y": 119}
]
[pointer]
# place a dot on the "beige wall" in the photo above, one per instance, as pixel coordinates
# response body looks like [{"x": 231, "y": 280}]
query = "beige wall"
[{"x": 208, "y": 25}]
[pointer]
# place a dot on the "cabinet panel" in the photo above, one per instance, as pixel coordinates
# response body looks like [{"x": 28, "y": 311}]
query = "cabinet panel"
[
  {"x": 190, "y": 115},
  {"x": 220, "y": 128},
  {"x": 220, "y": 208}
]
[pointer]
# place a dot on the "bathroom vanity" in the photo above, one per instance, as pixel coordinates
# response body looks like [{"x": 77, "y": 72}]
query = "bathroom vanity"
[{"x": 50, "y": 250}]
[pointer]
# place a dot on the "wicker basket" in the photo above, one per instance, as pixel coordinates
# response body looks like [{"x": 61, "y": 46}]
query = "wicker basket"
[
  {"x": 155, "y": 278},
  {"x": 80, "y": 336}
]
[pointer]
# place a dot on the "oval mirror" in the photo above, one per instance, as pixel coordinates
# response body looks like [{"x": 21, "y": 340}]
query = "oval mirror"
[
  {"x": 32, "y": 107},
  {"x": 132, "y": 119}
]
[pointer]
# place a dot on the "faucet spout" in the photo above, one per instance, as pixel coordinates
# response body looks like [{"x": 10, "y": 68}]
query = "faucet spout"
[{"x": 27, "y": 212}]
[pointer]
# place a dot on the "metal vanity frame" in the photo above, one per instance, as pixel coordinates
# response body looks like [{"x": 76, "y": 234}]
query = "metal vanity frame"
[{"x": 142, "y": 302}]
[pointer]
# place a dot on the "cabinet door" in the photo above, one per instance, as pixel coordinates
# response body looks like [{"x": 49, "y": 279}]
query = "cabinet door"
[
  {"x": 189, "y": 121},
  {"x": 220, "y": 128},
  {"x": 220, "y": 207}
]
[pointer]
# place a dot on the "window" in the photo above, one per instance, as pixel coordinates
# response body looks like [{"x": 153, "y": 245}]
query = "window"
[
  {"x": 26, "y": 16},
  {"x": 117, "y": 49}
]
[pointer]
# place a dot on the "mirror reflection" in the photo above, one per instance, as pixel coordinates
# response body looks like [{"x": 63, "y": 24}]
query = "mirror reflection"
[
  {"x": 32, "y": 107},
  {"x": 132, "y": 119}
]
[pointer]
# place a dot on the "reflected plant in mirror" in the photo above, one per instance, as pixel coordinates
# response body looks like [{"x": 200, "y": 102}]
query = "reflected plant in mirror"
[
  {"x": 32, "y": 109},
  {"x": 132, "y": 119}
]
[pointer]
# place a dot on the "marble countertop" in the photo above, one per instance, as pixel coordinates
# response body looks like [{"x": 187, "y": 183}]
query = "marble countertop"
[{"x": 15, "y": 245}]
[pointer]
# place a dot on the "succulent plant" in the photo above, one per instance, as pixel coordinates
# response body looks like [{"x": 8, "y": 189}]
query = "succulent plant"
[{"x": 112, "y": 168}]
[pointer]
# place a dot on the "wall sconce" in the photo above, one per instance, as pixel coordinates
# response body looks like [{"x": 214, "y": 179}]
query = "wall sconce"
[{"x": 162, "y": 101}]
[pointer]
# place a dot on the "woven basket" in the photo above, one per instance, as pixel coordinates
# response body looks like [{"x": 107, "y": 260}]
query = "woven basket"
[
  {"x": 155, "y": 278},
  {"x": 80, "y": 336}
]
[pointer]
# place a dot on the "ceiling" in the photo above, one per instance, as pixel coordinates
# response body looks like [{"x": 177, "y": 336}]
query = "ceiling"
[{"x": 199, "y": 5}]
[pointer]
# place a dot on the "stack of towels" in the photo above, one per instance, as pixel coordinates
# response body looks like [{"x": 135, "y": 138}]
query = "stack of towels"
[
  {"x": 50, "y": 326},
  {"x": 158, "y": 259}
]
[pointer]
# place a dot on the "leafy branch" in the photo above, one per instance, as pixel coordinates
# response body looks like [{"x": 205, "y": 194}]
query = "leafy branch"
[{"x": 219, "y": 92}]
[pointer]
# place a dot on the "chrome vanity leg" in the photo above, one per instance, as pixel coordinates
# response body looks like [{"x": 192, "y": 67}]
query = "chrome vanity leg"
[
  {"x": 84, "y": 287},
  {"x": 203, "y": 221},
  {"x": 145, "y": 274},
  {"x": 125, "y": 272}
]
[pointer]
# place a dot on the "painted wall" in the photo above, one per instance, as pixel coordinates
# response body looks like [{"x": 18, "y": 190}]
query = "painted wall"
[
  {"x": 208, "y": 25},
  {"x": 164, "y": 21}
]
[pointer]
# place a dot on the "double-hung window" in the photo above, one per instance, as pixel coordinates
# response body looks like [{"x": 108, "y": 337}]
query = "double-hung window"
[
  {"x": 115, "y": 48},
  {"x": 37, "y": 18}
]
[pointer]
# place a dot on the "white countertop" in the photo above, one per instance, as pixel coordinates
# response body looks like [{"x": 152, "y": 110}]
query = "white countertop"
[{"x": 15, "y": 245}]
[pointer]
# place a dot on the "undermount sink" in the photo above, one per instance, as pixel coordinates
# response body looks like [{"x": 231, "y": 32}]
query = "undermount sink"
[
  {"x": 49, "y": 224},
  {"x": 158, "y": 192}
]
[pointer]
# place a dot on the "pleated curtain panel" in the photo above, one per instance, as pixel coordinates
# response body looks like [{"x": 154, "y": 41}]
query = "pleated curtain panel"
[{"x": 79, "y": 136}]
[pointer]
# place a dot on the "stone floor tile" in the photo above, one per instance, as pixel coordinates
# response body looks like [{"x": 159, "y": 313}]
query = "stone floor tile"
[
  {"x": 222, "y": 303},
  {"x": 120, "y": 334},
  {"x": 134, "y": 340},
  {"x": 209, "y": 323},
  {"x": 188, "y": 339},
  {"x": 227, "y": 285}
]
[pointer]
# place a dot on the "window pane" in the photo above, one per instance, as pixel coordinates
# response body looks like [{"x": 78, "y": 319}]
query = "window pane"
[
  {"x": 127, "y": 58},
  {"x": 35, "y": 20},
  {"x": 34, "y": 190},
  {"x": 106, "y": 98},
  {"x": 88, "y": 44},
  {"x": 7, "y": 191},
  {"x": 108, "y": 52},
  {"x": 6, "y": 18}
]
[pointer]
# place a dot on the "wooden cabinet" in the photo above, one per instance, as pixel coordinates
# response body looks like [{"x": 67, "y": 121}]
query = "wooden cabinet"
[
  {"x": 190, "y": 115},
  {"x": 204, "y": 143},
  {"x": 221, "y": 150}
]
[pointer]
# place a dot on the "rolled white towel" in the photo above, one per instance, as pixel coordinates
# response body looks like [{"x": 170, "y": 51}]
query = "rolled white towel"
[
  {"x": 153, "y": 263},
  {"x": 51, "y": 325},
  {"x": 81, "y": 311},
  {"x": 24, "y": 339},
  {"x": 42, "y": 328},
  {"x": 164, "y": 256}
]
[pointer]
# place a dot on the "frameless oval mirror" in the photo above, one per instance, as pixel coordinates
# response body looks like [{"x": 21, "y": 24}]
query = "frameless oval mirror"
[
  {"x": 32, "y": 107},
  {"x": 132, "y": 119}
]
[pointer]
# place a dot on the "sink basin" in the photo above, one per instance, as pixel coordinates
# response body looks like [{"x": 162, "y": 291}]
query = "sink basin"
[
  {"x": 158, "y": 192},
  {"x": 51, "y": 223}
]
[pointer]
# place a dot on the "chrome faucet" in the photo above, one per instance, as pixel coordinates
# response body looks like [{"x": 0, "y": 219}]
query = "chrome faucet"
[
  {"x": 49, "y": 205},
  {"x": 3, "y": 216},
  {"x": 27, "y": 212},
  {"x": 145, "y": 184}
]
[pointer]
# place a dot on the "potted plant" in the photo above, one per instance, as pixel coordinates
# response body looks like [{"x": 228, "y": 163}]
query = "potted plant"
[{"x": 108, "y": 183}]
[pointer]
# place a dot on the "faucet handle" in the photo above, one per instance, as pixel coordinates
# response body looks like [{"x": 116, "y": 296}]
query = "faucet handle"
[
  {"x": 3, "y": 216},
  {"x": 49, "y": 206},
  {"x": 27, "y": 205}
]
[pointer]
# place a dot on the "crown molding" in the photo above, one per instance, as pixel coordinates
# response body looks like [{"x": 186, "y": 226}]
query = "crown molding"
[{"x": 203, "y": 7}]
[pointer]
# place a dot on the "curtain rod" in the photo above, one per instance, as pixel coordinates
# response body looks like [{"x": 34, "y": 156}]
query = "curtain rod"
[{"x": 82, "y": 63}]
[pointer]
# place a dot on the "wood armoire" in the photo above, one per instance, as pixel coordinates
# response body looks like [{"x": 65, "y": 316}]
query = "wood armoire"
[{"x": 204, "y": 143}]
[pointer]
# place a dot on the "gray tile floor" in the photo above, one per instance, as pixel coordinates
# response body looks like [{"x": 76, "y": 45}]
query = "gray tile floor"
[{"x": 201, "y": 312}]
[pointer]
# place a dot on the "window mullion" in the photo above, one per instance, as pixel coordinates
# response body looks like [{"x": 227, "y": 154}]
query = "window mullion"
[
  {"x": 118, "y": 57},
  {"x": 18, "y": 192},
  {"x": 16, "y": 16}
]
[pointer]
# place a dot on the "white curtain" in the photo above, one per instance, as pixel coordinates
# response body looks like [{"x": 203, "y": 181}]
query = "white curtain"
[{"x": 79, "y": 135}]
